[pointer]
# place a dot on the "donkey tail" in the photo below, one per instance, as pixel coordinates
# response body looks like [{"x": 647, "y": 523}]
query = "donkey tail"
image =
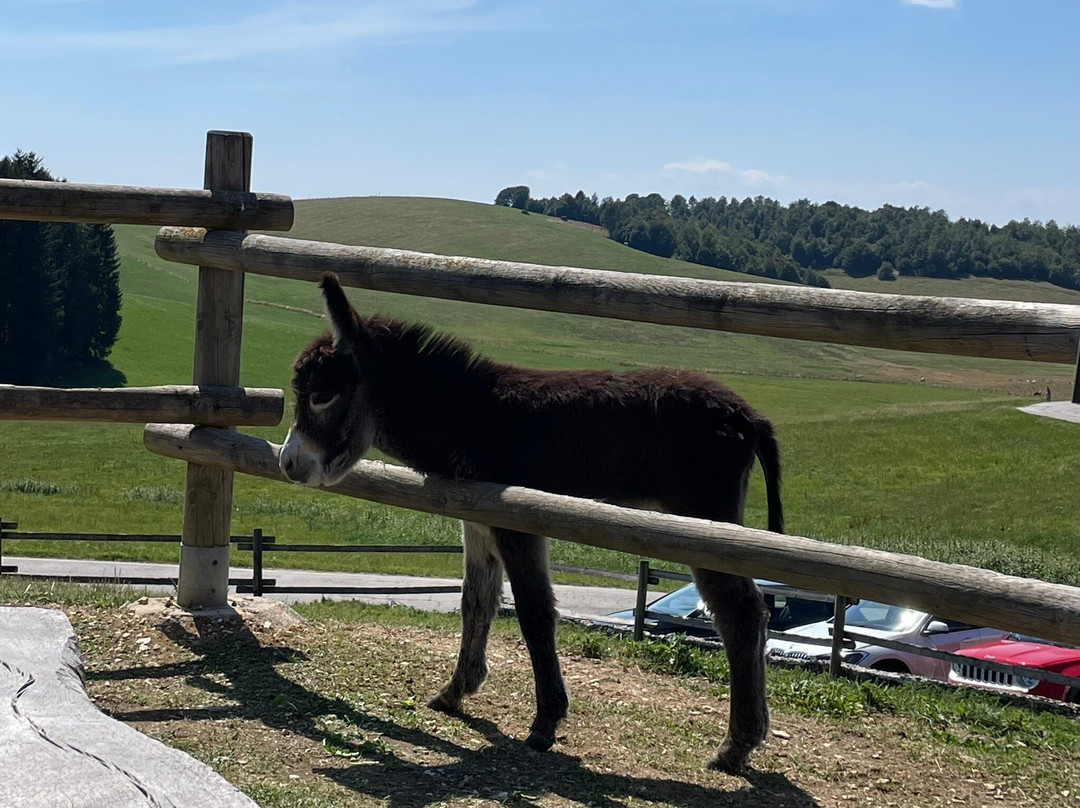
[{"x": 768, "y": 454}]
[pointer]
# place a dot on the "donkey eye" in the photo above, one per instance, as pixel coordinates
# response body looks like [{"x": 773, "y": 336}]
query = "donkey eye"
[{"x": 321, "y": 401}]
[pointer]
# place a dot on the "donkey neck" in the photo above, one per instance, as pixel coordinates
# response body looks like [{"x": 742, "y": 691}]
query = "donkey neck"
[{"x": 428, "y": 395}]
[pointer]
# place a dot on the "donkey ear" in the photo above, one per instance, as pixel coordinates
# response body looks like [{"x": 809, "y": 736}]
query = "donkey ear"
[{"x": 344, "y": 321}]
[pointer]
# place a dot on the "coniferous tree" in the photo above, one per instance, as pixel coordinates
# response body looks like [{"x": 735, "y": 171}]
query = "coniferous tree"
[{"x": 59, "y": 289}]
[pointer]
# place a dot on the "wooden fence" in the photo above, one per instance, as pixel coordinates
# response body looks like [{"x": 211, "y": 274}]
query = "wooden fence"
[
  {"x": 217, "y": 406},
  {"x": 1044, "y": 332},
  {"x": 1041, "y": 332},
  {"x": 1020, "y": 604}
]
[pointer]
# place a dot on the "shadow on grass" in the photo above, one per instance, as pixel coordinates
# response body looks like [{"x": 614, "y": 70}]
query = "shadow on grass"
[
  {"x": 88, "y": 373},
  {"x": 234, "y": 664},
  {"x": 509, "y": 772}
]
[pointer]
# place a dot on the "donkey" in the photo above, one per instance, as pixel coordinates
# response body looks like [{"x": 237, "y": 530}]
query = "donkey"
[{"x": 672, "y": 440}]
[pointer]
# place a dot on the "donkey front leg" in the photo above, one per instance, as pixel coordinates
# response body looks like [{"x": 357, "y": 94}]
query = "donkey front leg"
[
  {"x": 481, "y": 591},
  {"x": 526, "y": 560},
  {"x": 742, "y": 620}
]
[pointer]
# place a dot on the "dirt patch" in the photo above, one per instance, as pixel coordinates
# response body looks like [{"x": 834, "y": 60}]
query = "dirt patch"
[
  {"x": 264, "y": 612},
  {"x": 323, "y": 713}
]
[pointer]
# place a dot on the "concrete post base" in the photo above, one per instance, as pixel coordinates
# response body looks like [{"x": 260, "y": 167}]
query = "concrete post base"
[{"x": 204, "y": 576}]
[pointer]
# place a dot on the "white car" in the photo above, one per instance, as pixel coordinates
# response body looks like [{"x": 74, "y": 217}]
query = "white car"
[{"x": 895, "y": 623}]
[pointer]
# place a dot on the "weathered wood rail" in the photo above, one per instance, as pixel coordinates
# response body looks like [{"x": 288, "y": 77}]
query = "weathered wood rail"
[
  {"x": 1043, "y": 332},
  {"x": 38, "y": 201},
  {"x": 190, "y": 404},
  {"x": 952, "y": 590}
]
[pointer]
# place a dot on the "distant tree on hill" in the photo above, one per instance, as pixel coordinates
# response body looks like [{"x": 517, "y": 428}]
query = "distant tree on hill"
[
  {"x": 59, "y": 289},
  {"x": 886, "y": 272},
  {"x": 515, "y": 196},
  {"x": 798, "y": 241}
]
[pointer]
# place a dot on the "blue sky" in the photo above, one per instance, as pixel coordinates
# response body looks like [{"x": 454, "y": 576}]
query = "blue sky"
[{"x": 967, "y": 105}]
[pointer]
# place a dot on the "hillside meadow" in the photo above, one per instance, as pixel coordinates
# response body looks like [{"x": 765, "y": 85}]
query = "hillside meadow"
[{"x": 911, "y": 452}]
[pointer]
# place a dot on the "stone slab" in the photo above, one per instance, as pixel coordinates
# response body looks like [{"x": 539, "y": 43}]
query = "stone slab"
[{"x": 57, "y": 748}]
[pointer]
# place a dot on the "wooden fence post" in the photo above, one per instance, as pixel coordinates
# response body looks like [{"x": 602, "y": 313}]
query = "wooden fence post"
[
  {"x": 219, "y": 319},
  {"x": 1076, "y": 384},
  {"x": 642, "y": 595},
  {"x": 836, "y": 658}
]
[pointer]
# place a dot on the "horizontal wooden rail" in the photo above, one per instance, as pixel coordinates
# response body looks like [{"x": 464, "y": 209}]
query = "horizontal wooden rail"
[
  {"x": 270, "y": 546},
  {"x": 964, "y": 593},
  {"x": 191, "y": 404},
  {"x": 1043, "y": 332},
  {"x": 162, "y": 538},
  {"x": 33, "y": 200}
]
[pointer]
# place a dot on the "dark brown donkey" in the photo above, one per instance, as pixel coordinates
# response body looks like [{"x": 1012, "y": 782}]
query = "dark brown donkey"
[{"x": 672, "y": 440}]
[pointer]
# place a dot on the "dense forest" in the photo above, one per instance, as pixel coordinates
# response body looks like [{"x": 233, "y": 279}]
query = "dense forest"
[
  {"x": 59, "y": 289},
  {"x": 795, "y": 242}
]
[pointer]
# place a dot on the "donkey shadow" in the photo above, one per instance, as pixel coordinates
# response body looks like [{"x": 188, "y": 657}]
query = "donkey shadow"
[
  {"x": 233, "y": 663},
  {"x": 509, "y": 772}
]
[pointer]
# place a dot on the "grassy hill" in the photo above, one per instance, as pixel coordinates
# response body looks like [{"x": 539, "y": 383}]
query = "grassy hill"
[{"x": 944, "y": 467}]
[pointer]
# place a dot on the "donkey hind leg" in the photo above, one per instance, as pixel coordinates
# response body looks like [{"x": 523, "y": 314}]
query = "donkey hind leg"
[
  {"x": 481, "y": 591},
  {"x": 526, "y": 560},
  {"x": 741, "y": 619}
]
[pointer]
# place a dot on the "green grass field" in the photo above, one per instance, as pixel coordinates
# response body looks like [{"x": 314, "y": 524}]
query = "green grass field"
[{"x": 945, "y": 467}]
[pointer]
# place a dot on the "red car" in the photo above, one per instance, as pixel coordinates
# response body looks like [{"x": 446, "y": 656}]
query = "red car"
[{"x": 1029, "y": 652}]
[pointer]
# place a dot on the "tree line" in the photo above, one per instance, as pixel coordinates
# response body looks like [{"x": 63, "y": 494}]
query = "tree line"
[
  {"x": 797, "y": 241},
  {"x": 59, "y": 289}
]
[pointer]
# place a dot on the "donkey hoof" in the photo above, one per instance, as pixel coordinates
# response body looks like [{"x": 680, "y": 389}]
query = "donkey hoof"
[
  {"x": 443, "y": 704},
  {"x": 729, "y": 761},
  {"x": 539, "y": 742}
]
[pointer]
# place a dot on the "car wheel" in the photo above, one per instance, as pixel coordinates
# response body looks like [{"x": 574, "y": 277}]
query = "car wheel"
[
  {"x": 890, "y": 666},
  {"x": 1072, "y": 695}
]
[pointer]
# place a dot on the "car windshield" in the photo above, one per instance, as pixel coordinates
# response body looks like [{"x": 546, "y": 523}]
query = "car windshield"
[
  {"x": 1016, "y": 636},
  {"x": 881, "y": 616},
  {"x": 681, "y": 602}
]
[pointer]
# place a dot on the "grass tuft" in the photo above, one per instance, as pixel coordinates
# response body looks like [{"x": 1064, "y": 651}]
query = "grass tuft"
[
  {"x": 43, "y": 488},
  {"x": 154, "y": 493}
]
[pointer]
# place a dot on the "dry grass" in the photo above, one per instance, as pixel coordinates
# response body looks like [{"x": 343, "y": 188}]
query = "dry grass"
[{"x": 328, "y": 712}]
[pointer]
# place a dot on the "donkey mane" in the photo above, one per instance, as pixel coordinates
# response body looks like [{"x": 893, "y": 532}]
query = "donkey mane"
[{"x": 425, "y": 343}]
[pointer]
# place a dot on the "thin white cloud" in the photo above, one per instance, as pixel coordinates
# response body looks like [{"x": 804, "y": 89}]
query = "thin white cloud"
[
  {"x": 699, "y": 166},
  {"x": 942, "y": 4},
  {"x": 917, "y": 184},
  {"x": 285, "y": 27},
  {"x": 749, "y": 177},
  {"x": 755, "y": 177}
]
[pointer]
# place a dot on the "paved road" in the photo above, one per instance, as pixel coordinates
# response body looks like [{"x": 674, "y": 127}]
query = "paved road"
[{"x": 573, "y": 601}]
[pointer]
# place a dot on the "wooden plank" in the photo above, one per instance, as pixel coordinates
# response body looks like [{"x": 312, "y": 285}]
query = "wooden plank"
[
  {"x": 38, "y": 201},
  {"x": 163, "y": 538},
  {"x": 188, "y": 404},
  {"x": 274, "y": 547},
  {"x": 965, "y": 593},
  {"x": 1043, "y": 332}
]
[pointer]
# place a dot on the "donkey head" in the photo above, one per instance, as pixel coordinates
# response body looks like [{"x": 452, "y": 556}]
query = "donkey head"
[{"x": 332, "y": 426}]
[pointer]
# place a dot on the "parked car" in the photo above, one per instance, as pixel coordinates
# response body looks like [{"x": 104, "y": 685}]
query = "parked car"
[
  {"x": 788, "y": 607},
  {"x": 895, "y": 623},
  {"x": 1020, "y": 649}
]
